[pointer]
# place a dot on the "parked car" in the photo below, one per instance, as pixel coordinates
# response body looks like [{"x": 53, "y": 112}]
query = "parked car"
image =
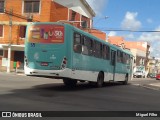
[
  {"x": 158, "y": 76},
  {"x": 151, "y": 75},
  {"x": 139, "y": 74}
]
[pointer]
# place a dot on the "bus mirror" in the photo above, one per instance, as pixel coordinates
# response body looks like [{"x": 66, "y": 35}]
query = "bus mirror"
[{"x": 78, "y": 48}]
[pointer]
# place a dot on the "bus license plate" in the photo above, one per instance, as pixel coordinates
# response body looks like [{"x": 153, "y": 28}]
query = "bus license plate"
[{"x": 44, "y": 64}]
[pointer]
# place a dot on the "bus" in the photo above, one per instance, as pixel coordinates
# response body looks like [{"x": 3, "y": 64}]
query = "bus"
[{"x": 65, "y": 52}]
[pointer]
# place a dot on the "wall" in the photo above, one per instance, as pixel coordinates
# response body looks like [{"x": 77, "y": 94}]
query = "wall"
[
  {"x": 58, "y": 12},
  {"x": 99, "y": 34},
  {"x": 77, "y": 6},
  {"x": 17, "y": 6},
  {"x": 117, "y": 40}
]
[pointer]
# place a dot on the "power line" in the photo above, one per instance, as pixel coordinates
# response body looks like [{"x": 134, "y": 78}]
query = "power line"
[
  {"x": 125, "y": 30},
  {"x": 18, "y": 15}
]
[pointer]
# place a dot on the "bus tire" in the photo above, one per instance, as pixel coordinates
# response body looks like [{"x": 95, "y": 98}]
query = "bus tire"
[
  {"x": 69, "y": 82},
  {"x": 125, "y": 82},
  {"x": 100, "y": 79},
  {"x": 93, "y": 84}
]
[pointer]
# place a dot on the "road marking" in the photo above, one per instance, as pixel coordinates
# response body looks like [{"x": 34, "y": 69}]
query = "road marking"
[{"x": 135, "y": 84}]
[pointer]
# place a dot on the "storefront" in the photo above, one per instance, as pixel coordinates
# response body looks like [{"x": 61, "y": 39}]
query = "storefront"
[{"x": 17, "y": 55}]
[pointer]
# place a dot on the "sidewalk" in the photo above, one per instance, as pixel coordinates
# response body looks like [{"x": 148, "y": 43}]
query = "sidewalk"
[
  {"x": 19, "y": 72},
  {"x": 150, "y": 83},
  {"x": 155, "y": 86}
]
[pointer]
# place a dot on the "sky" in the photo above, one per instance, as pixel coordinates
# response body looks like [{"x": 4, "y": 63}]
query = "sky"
[{"x": 132, "y": 15}]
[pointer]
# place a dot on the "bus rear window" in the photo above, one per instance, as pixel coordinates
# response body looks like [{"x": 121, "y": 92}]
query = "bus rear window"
[{"x": 46, "y": 34}]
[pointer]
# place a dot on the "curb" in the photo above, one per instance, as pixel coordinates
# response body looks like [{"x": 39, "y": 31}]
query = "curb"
[
  {"x": 13, "y": 73},
  {"x": 151, "y": 86},
  {"x": 21, "y": 74},
  {"x": 148, "y": 86}
]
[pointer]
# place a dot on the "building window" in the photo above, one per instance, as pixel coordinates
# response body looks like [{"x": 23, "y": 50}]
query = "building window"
[
  {"x": 31, "y": 6},
  {"x": 1, "y": 30},
  {"x": 1, "y": 6},
  {"x": 22, "y": 31},
  {"x": 1, "y": 53},
  {"x": 73, "y": 16},
  {"x": 84, "y": 23}
]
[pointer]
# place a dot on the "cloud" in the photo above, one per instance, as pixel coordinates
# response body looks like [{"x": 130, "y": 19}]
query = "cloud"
[
  {"x": 130, "y": 21},
  {"x": 151, "y": 37},
  {"x": 154, "y": 40},
  {"x": 129, "y": 36},
  {"x": 97, "y": 7},
  {"x": 112, "y": 33},
  {"x": 155, "y": 51},
  {"x": 149, "y": 20}
]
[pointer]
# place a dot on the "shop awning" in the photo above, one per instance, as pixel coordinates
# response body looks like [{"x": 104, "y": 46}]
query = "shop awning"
[{"x": 13, "y": 47}]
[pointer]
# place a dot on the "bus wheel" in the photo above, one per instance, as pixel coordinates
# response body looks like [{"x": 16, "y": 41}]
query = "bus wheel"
[
  {"x": 93, "y": 84},
  {"x": 126, "y": 80},
  {"x": 69, "y": 82},
  {"x": 100, "y": 80}
]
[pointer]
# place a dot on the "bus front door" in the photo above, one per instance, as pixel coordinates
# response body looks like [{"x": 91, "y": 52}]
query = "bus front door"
[{"x": 113, "y": 63}]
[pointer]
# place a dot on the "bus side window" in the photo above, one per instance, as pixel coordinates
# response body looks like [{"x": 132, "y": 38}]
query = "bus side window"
[
  {"x": 77, "y": 43},
  {"x": 93, "y": 48},
  {"x": 77, "y": 38},
  {"x": 127, "y": 59},
  {"x": 124, "y": 58},
  {"x": 101, "y": 50},
  {"x": 118, "y": 56},
  {"x": 86, "y": 48},
  {"x": 98, "y": 50},
  {"x": 108, "y": 52},
  {"x": 90, "y": 47},
  {"x": 113, "y": 58},
  {"x": 121, "y": 57},
  {"x": 88, "y": 43},
  {"x": 104, "y": 53}
]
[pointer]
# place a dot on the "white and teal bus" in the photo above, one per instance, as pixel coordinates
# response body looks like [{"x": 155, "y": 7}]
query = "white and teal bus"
[{"x": 66, "y": 52}]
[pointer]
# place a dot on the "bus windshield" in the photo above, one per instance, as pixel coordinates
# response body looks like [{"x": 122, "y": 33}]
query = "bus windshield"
[{"x": 46, "y": 34}]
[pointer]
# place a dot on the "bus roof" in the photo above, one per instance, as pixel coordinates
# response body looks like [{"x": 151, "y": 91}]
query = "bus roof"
[{"x": 85, "y": 33}]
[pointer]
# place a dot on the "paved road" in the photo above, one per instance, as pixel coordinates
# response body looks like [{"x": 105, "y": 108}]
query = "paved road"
[{"x": 32, "y": 93}]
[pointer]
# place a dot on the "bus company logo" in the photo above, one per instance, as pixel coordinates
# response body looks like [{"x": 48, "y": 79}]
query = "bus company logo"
[
  {"x": 6, "y": 114},
  {"x": 36, "y": 56}
]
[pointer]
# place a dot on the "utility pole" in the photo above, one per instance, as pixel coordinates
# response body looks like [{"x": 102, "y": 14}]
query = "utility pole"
[{"x": 10, "y": 39}]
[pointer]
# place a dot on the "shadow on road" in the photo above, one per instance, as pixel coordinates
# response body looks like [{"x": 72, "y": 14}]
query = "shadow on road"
[
  {"x": 56, "y": 96},
  {"x": 79, "y": 87}
]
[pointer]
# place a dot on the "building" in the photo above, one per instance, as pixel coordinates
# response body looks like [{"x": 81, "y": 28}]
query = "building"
[
  {"x": 153, "y": 65},
  {"x": 97, "y": 33},
  {"x": 116, "y": 40},
  {"x": 15, "y": 14},
  {"x": 140, "y": 50}
]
